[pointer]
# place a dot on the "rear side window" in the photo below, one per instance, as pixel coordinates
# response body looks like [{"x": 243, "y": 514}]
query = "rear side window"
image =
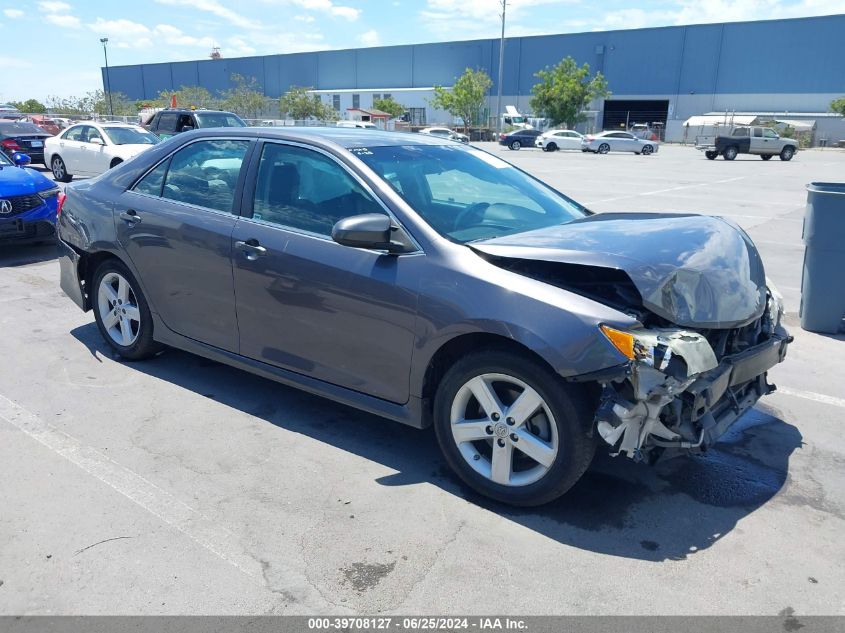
[
  {"x": 167, "y": 122},
  {"x": 206, "y": 174},
  {"x": 742, "y": 131},
  {"x": 758, "y": 133},
  {"x": 152, "y": 182}
]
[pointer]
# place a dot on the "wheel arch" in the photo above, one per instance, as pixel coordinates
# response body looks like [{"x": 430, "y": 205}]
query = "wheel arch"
[{"x": 89, "y": 262}]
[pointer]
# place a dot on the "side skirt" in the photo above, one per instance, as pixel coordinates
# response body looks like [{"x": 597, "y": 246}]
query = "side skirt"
[{"x": 410, "y": 413}]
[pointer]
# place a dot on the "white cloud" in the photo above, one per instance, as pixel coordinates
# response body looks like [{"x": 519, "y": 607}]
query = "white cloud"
[
  {"x": 327, "y": 6},
  {"x": 64, "y": 21},
  {"x": 237, "y": 46},
  {"x": 14, "y": 62},
  {"x": 120, "y": 29},
  {"x": 53, "y": 7},
  {"x": 215, "y": 8},
  {"x": 370, "y": 38},
  {"x": 13, "y": 13}
]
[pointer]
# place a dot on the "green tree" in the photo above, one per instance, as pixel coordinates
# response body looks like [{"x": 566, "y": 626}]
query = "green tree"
[
  {"x": 838, "y": 106},
  {"x": 467, "y": 97},
  {"x": 298, "y": 104},
  {"x": 565, "y": 90},
  {"x": 245, "y": 97},
  {"x": 390, "y": 106},
  {"x": 91, "y": 103},
  {"x": 190, "y": 96},
  {"x": 30, "y": 106}
]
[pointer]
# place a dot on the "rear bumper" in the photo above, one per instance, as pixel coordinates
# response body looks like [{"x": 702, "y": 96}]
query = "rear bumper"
[{"x": 69, "y": 279}]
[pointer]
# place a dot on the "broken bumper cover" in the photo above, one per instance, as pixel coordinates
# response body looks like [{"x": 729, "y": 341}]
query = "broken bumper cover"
[{"x": 676, "y": 395}]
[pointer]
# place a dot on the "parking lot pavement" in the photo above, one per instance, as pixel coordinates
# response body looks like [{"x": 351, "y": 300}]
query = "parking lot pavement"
[{"x": 179, "y": 485}]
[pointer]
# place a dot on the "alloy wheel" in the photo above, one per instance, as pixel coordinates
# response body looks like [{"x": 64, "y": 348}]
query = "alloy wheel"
[
  {"x": 58, "y": 168},
  {"x": 504, "y": 429},
  {"x": 118, "y": 307}
]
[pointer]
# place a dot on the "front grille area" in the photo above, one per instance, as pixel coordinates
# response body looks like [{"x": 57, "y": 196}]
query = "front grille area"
[
  {"x": 21, "y": 204},
  {"x": 27, "y": 231}
]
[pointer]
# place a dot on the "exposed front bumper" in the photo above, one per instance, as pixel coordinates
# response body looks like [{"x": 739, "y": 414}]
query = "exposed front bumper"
[
  {"x": 645, "y": 408},
  {"x": 33, "y": 225}
]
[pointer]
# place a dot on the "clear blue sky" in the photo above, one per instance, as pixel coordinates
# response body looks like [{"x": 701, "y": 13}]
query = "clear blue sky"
[{"x": 52, "y": 46}]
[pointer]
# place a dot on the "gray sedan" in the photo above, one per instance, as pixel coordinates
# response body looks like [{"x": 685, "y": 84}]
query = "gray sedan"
[
  {"x": 433, "y": 284},
  {"x": 617, "y": 142}
]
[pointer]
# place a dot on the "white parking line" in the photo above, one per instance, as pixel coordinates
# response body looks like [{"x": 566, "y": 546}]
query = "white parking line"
[
  {"x": 192, "y": 523},
  {"x": 656, "y": 191},
  {"x": 811, "y": 395}
]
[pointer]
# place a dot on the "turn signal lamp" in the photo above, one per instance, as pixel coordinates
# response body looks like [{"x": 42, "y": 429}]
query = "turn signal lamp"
[{"x": 623, "y": 341}]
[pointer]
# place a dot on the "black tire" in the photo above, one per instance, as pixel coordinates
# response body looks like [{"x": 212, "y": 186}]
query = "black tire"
[
  {"x": 57, "y": 166},
  {"x": 647, "y": 150},
  {"x": 604, "y": 148},
  {"x": 552, "y": 147},
  {"x": 515, "y": 145},
  {"x": 787, "y": 153},
  {"x": 730, "y": 152},
  {"x": 711, "y": 155},
  {"x": 144, "y": 346},
  {"x": 115, "y": 163},
  {"x": 571, "y": 408},
  {"x": 766, "y": 156}
]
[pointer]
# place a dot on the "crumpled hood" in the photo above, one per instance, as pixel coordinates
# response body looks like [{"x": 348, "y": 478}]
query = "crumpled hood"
[{"x": 693, "y": 270}]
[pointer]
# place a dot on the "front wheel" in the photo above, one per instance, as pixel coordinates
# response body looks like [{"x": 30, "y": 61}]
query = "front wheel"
[
  {"x": 515, "y": 145},
  {"x": 121, "y": 311},
  {"x": 787, "y": 153},
  {"x": 552, "y": 147},
  {"x": 57, "y": 166},
  {"x": 766, "y": 156},
  {"x": 512, "y": 429},
  {"x": 604, "y": 148},
  {"x": 647, "y": 149}
]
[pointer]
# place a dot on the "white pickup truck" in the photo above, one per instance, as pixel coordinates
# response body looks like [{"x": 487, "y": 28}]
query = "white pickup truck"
[{"x": 747, "y": 139}]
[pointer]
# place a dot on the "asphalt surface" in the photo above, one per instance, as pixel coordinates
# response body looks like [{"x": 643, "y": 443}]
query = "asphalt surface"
[{"x": 180, "y": 485}]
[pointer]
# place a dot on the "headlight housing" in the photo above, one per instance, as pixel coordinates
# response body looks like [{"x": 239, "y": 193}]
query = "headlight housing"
[
  {"x": 46, "y": 194},
  {"x": 656, "y": 347}
]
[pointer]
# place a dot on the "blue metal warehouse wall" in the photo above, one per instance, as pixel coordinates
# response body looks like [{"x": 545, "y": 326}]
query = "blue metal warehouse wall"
[{"x": 804, "y": 55}]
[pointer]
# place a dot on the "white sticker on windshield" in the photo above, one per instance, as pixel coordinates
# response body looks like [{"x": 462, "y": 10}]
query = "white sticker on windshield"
[{"x": 498, "y": 163}]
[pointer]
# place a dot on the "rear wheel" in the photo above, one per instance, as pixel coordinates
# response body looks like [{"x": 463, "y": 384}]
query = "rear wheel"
[
  {"x": 121, "y": 311},
  {"x": 730, "y": 152},
  {"x": 604, "y": 148},
  {"x": 711, "y": 155},
  {"x": 515, "y": 145},
  {"x": 57, "y": 166},
  {"x": 787, "y": 153},
  {"x": 511, "y": 429}
]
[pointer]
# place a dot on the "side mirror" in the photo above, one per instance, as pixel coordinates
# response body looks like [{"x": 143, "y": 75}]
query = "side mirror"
[
  {"x": 21, "y": 160},
  {"x": 97, "y": 141},
  {"x": 369, "y": 230},
  {"x": 187, "y": 128}
]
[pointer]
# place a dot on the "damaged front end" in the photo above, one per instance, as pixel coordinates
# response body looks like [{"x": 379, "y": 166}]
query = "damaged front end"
[{"x": 681, "y": 389}]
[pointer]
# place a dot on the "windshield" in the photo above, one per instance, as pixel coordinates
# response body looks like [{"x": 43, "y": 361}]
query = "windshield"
[
  {"x": 466, "y": 194},
  {"x": 219, "y": 119},
  {"x": 130, "y": 136},
  {"x": 4, "y": 160}
]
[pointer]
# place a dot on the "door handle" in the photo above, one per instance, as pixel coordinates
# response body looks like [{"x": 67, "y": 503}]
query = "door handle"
[
  {"x": 131, "y": 217},
  {"x": 251, "y": 248}
]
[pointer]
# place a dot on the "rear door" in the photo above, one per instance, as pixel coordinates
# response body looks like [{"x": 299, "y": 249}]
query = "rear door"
[
  {"x": 176, "y": 226},
  {"x": 757, "y": 144},
  {"x": 342, "y": 315}
]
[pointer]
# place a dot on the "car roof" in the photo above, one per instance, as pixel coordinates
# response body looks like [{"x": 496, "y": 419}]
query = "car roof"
[{"x": 346, "y": 137}]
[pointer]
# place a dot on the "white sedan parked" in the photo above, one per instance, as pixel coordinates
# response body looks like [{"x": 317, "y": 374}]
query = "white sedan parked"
[
  {"x": 89, "y": 149},
  {"x": 554, "y": 140},
  {"x": 617, "y": 142}
]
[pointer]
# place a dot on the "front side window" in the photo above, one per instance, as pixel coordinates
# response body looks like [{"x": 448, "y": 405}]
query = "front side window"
[
  {"x": 206, "y": 174},
  {"x": 306, "y": 190},
  {"x": 769, "y": 133},
  {"x": 130, "y": 136},
  {"x": 466, "y": 194}
]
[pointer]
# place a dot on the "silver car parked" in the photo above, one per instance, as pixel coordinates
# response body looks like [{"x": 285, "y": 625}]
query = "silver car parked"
[{"x": 617, "y": 142}]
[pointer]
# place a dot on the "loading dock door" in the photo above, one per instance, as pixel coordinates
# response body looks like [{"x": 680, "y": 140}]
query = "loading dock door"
[{"x": 620, "y": 114}]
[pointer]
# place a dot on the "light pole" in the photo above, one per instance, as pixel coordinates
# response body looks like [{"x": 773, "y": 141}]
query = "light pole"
[
  {"x": 501, "y": 68},
  {"x": 104, "y": 41}
]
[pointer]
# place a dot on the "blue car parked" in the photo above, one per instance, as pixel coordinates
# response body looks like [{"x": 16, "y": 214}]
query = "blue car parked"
[{"x": 28, "y": 202}]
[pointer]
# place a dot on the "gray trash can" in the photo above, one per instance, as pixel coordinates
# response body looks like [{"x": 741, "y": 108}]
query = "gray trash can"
[{"x": 823, "y": 281}]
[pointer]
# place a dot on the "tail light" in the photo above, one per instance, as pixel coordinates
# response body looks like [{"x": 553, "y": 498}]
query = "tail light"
[
  {"x": 10, "y": 145},
  {"x": 60, "y": 202},
  {"x": 502, "y": 136}
]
